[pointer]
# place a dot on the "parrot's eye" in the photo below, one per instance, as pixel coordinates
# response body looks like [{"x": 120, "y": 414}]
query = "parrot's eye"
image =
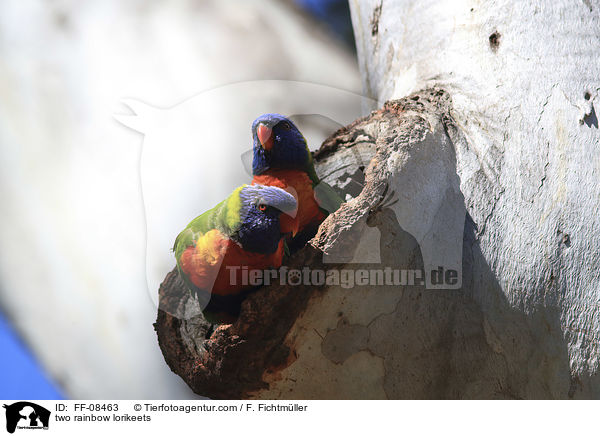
[
  {"x": 262, "y": 207},
  {"x": 286, "y": 126}
]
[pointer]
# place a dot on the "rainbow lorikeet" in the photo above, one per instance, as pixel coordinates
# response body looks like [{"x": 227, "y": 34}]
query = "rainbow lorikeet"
[
  {"x": 281, "y": 158},
  {"x": 245, "y": 230}
]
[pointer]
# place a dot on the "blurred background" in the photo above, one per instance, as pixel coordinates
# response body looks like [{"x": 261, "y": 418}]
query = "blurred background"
[{"x": 76, "y": 306}]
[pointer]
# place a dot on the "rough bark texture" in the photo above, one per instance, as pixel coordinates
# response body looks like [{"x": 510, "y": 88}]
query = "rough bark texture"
[{"x": 233, "y": 361}]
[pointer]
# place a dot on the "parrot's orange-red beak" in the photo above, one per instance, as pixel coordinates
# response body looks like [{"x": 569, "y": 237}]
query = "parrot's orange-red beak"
[
  {"x": 289, "y": 224},
  {"x": 265, "y": 137}
]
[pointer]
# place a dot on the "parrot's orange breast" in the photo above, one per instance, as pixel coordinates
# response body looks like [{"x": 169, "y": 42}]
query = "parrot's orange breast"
[
  {"x": 206, "y": 264},
  {"x": 308, "y": 208}
]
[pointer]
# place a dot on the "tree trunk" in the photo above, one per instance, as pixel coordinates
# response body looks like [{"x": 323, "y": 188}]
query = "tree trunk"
[
  {"x": 493, "y": 159},
  {"x": 524, "y": 82}
]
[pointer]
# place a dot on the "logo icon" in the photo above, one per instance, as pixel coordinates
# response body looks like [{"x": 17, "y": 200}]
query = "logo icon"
[{"x": 26, "y": 415}]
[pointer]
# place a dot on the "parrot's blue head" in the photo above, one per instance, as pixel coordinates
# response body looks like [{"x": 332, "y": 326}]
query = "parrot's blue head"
[
  {"x": 278, "y": 144},
  {"x": 267, "y": 214}
]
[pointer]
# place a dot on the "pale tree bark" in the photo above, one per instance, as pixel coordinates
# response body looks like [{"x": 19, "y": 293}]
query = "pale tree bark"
[
  {"x": 493, "y": 120},
  {"x": 524, "y": 82}
]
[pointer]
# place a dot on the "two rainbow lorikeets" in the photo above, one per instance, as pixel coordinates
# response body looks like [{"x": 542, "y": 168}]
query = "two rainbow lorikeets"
[{"x": 254, "y": 226}]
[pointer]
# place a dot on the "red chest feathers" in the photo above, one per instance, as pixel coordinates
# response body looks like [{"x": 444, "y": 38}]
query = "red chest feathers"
[
  {"x": 308, "y": 209},
  {"x": 206, "y": 264}
]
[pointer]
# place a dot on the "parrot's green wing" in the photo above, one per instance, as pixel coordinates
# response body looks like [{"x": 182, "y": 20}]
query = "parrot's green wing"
[
  {"x": 224, "y": 217},
  {"x": 327, "y": 198},
  {"x": 188, "y": 237},
  {"x": 195, "y": 229}
]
